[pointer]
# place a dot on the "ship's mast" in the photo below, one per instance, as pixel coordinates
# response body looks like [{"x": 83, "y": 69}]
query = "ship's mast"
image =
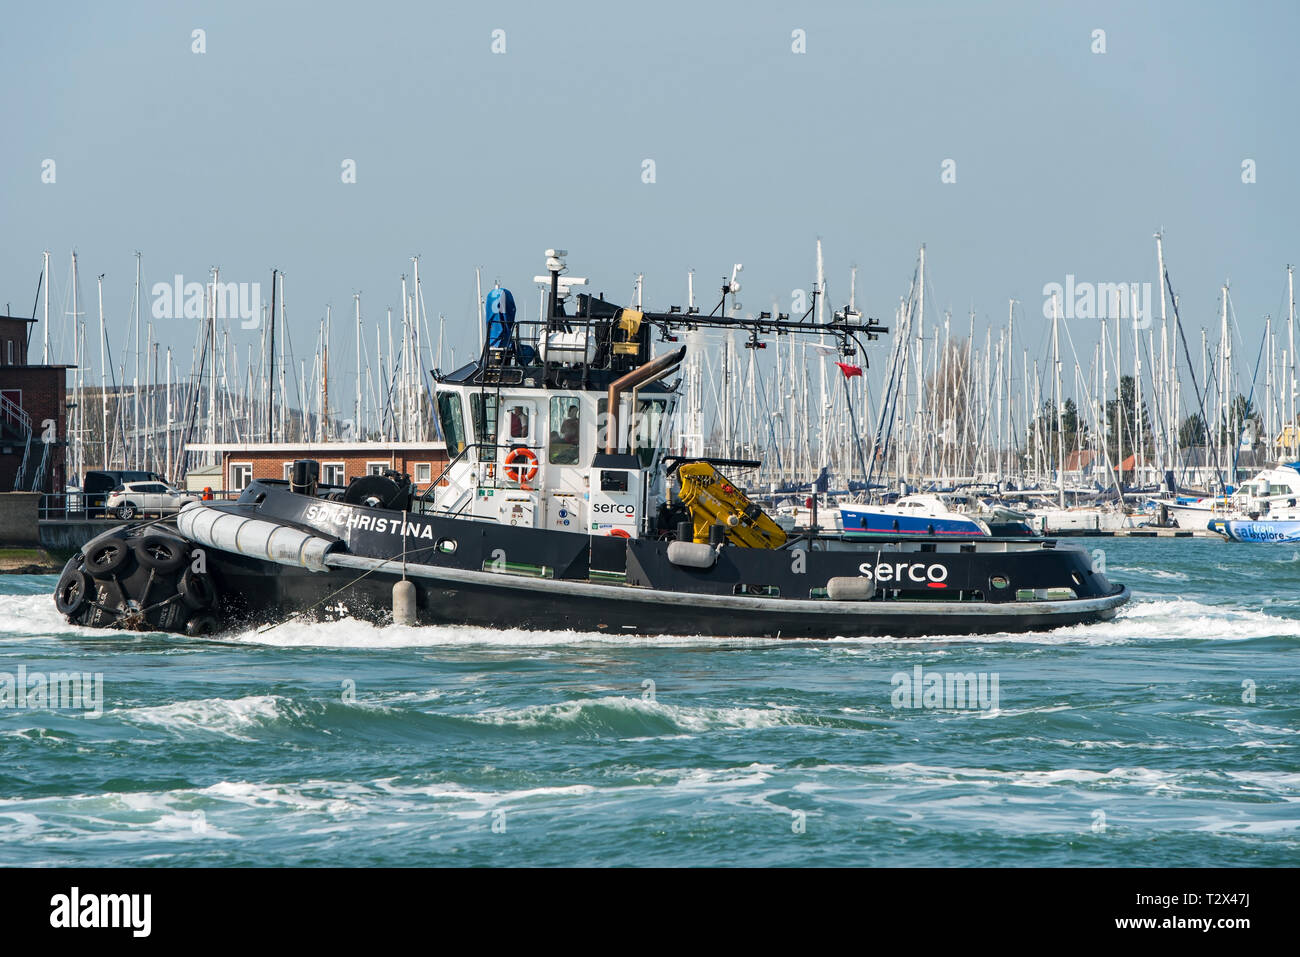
[
  {"x": 270, "y": 404},
  {"x": 822, "y": 424},
  {"x": 1290, "y": 353},
  {"x": 212, "y": 372},
  {"x": 920, "y": 365},
  {"x": 135, "y": 382},
  {"x": 1137, "y": 399},
  {"x": 45, "y": 352},
  {"x": 103, "y": 375},
  {"x": 76, "y": 451},
  {"x": 325, "y": 374},
  {"x": 1225, "y": 376},
  {"x": 356, "y": 302},
  {"x": 1060, "y": 412}
]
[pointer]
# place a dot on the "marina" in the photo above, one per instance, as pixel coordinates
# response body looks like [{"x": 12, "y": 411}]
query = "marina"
[{"x": 1124, "y": 451}]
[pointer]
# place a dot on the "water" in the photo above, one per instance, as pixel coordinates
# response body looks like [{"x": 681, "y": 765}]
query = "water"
[{"x": 1125, "y": 743}]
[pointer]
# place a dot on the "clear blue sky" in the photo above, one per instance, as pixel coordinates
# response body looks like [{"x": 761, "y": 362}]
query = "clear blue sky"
[{"x": 1067, "y": 160}]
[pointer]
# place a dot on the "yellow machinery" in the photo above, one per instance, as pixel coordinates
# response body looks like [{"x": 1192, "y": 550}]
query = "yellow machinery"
[{"x": 713, "y": 500}]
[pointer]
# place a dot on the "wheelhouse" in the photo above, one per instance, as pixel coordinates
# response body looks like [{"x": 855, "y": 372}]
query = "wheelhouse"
[{"x": 561, "y": 424}]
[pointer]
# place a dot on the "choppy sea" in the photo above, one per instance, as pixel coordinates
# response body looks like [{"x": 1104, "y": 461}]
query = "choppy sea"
[{"x": 1167, "y": 737}]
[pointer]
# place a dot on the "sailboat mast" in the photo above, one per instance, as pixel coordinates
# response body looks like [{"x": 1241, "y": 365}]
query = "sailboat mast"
[
  {"x": 270, "y": 405},
  {"x": 45, "y": 351},
  {"x": 356, "y": 299},
  {"x": 1290, "y": 352},
  {"x": 75, "y": 436},
  {"x": 1137, "y": 397},
  {"x": 1010, "y": 359},
  {"x": 325, "y": 377},
  {"x": 1060, "y": 412},
  {"x": 1225, "y": 373},
  {"x": 212, "y": 371},
  {"x": 820, "y": 293},
  {"x": 103, "y": 376},
  {"x": 167, "y": 462}
]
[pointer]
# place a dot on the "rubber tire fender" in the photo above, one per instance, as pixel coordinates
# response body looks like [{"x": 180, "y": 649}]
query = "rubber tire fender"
[
  {"x": 165, "y": 553},
  {"x": 72, "y": 593},
  {"x": 197, "y": 591},
  {"x": 204, "y": 623},
  {"x": 108, "y": 557}
]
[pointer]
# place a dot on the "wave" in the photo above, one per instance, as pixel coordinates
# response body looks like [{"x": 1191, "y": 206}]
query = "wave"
[
  {"x": 241, "y": 719},
  {"x": 639, "y": 716},
  {"x": 31, "y": 615},
  {"x": 1162, "y": 573},
  {"x": 222, "y": 717}
]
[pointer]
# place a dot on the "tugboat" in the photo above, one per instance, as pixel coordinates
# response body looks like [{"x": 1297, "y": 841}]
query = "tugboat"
[{"x": 562, "y": 508}]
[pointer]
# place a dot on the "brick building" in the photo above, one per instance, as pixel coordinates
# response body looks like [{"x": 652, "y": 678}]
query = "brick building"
[
  {"x": 33, "y": 414},
  {"x": 339, "y": 461}
]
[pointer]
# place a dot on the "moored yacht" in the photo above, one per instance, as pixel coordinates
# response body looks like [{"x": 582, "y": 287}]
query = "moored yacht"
[
  {"x": 1264, "y": 509},
  {"x": 916, "y": 514}
]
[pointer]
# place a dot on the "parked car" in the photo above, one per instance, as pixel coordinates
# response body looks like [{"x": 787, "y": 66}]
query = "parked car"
[
  {"x": 97, "y": 485},
  {"x": 131, "y": 498}
]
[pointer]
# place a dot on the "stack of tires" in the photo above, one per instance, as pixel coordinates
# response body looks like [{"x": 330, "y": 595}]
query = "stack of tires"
[{"x": 138, "y": 579}]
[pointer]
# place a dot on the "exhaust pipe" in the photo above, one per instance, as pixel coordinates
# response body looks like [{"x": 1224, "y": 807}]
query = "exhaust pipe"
[{"x": 652, "y": 370}]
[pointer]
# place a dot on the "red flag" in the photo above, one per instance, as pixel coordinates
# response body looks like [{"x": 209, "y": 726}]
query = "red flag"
[{"x": 848, "y": 370}]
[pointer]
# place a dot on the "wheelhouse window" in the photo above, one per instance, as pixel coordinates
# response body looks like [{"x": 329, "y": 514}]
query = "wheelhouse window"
[
  {"x": 333, "y": 473},
  {"x": 566, "y": 430},
  {"x": 483, "y": 410},
  {"x": 642, "y": 432},
  {"x": 453, "y": 422},
  {"x": 241, "y": 473},
  {"x": 518, "y": 422}
]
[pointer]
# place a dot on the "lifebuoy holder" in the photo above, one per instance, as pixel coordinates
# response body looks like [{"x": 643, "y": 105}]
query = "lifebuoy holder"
[{"x": 520, "y": 464}]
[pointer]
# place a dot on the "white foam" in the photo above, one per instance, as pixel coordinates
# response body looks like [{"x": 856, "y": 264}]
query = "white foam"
[
  {"x": 1142, "y": 620},
  {"x": 1177, "y": 618},
  {"x": 1164, "y": 619},
  {"x": 683, "y": 718},
  {"x": 354, "y": 633},
  {"x": 934, "y": 775},
  {"x": 218, "y": 716},
  {"x": 1163, "y": 573},
  {"x": 36, "y": 616}
]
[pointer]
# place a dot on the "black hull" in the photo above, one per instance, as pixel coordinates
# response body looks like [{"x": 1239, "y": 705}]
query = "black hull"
[
  {"x": 326, "y": 559},
  {"x": 508, "y": 601}
]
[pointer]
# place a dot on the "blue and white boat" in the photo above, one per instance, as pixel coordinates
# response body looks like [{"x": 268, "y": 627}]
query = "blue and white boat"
[
  {"x": 911, "y": 515},
  {"x": 1283, "y": 531},
  {"x": 1265, "y": 509}
]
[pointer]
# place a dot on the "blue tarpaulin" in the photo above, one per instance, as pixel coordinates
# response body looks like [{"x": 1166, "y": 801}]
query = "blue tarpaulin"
[{"x": 500, "y": 316}]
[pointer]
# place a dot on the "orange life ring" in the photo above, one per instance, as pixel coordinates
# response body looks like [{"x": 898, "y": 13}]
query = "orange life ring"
[
  {"x": 518, "y": 456},
  {"x": 618, "y": 533}
]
